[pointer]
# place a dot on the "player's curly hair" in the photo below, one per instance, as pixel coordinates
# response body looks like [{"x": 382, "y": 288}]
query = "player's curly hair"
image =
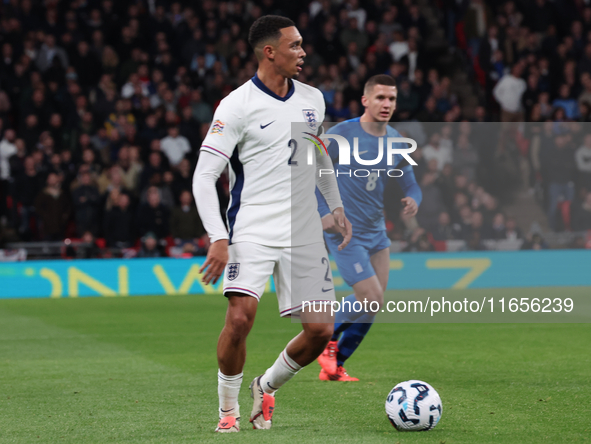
[{"x": 267, "y": 28}]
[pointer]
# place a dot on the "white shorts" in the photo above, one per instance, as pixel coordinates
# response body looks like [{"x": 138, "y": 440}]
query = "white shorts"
[{"x": 300, "y": 273}]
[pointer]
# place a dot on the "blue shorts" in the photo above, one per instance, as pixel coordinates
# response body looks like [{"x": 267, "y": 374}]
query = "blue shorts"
[{"x": 353, "y": 261}]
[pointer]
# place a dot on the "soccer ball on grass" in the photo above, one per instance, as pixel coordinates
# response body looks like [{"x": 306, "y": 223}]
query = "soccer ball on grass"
[{"x": 413, "y": 405}]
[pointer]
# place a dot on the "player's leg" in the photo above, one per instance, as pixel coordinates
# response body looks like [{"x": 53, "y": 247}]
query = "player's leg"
[
  {"x": 355, "y": 266},
  {"x": 247, "y": 272},
  {"x": 231, "y": 352},
  {"x": 366, "y": 269},
  {"x": 303, "y": 274},
  {"x": 232, "y": 341},
  {"x": 353, "y": 336}
]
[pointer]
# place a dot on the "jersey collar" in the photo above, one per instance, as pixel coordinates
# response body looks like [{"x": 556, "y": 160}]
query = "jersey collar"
[{"x": 266, "y": 90}]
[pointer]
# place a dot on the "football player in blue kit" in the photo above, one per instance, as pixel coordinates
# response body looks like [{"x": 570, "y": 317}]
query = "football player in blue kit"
[{"x": 365, "y": 263}]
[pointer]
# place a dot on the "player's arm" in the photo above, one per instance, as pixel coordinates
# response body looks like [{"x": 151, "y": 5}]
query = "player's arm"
[
  {"x": 218, "y": 146},
  {"x": 209, "y": 169},
  {"x": 411, "y": 189},
  {"x": 325, "y": 214},
  {"x": 334, "y": 220}
]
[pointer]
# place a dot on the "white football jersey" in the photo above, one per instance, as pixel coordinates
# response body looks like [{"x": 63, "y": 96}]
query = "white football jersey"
[{"x": 272, "y": 186}]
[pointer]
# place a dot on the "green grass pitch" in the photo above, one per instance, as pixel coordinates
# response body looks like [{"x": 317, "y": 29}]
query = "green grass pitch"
[{"x": 143, "y": 370}]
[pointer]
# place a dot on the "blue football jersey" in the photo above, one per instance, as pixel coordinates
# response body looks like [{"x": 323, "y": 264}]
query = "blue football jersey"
[{"x": 363, "y": 197}]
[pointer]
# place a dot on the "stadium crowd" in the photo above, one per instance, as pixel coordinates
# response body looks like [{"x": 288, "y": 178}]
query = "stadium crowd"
[{"x": 103, "y": 106}]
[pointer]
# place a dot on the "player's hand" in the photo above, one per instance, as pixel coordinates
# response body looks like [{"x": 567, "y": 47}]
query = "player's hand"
[
  {"x": 329, "y": 225},
  {"x": 343, "y": 226},
  {"x": 410, "y": 206},
  {"x": 217, "y": 258}
]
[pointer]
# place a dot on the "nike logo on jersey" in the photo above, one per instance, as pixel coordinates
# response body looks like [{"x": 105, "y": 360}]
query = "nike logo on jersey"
[
  {"x": 325, "y": 290},
  {"x": 265, "y": 126},
  {"x": 362, "y": 152}
]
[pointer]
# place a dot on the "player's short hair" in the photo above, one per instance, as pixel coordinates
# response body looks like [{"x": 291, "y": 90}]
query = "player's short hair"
[
  {"x": 379, "y": 79},
  {"x": 267, "y": 28}
]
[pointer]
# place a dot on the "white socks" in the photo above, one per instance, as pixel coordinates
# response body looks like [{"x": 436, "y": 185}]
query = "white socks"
[
  {"x": 228, "y": 389},
  {"x": 279, "y": 373}
]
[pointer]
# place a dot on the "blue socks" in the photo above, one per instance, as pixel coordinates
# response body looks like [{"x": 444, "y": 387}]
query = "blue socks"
[
  {"x": 353, "y": 325},
  {"x": 345, "y": 316},
  {"x": 352, "y": 337}
]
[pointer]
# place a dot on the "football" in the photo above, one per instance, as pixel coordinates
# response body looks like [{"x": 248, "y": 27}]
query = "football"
[{"x": 413, "y": 406}]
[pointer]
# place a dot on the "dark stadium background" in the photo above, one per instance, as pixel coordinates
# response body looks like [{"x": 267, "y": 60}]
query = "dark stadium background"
[{"x": 94, "y": 93}]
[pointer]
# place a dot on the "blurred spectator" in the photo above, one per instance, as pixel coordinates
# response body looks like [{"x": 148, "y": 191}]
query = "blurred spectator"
[
  {"x": 119, "y": 227},
  {"x": 189, "y": 128},
  {"x": 583, "y": 162},
  {"x": 31, "y": 132},
  {"x": 477, "y": 227},
  {"x": 566, "y": 102},
  {"x": 465, "y": 158},
  {"x": 536, "y": 242},
  {"x": 90, "y": 250},
  {"x": 429, "y": 113},
  {"x": 338, "y": 112},
  {"x": 560, "y": 176},
  {"x": 419, "y": 241},
  {"x": 436, "y": 150},
  {"x": 463, "y": 223},
  {"x": 474, "y": 242},
  {"x": 183, "y": 178},
  {"x": 86, "y": 201},
  {"x": 444, "y": 230},
  {"x": 17, "y": 160},
  {"x": 53, "y": 208},
  {"x": 111, "y": 179},
  {"x": 581, "y": 214},
  {"x": 508, "y": 93},
  {"x": 432, "y": 204},
  {"x": 153, "y": 216},
  {"x": 49, "y": 53},
  {"x": 175, "y": 146},
  {"x": 201, "y": 110},
  {"x": 164, "y": 184},
  {"x": 150, "y": 131},
  {"x": 28, "y": 185},
  {"x": 7, "y": 150},
  {"x": 512, "y": 231},
  {"x": 150, "y": 246},
  {"x": 408, "y": 100},
  {"x": 185, "y": 224},
  {"x": 153, "y": 167},
  {"x": 129, "y": 168},
  {"x": 498, "y": 227}
]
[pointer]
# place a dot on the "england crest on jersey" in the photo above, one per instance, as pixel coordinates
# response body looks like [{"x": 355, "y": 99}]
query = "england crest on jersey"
[
  {"x": 233, "y": 270},
  {"x": 311, "y": 118}
]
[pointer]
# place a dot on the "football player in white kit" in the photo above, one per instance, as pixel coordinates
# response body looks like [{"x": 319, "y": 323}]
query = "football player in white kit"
[{"x": 273, "y": 223}]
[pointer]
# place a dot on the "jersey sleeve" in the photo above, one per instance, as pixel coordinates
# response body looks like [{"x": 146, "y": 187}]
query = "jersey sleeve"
[
  {"x": 322, "y": 205},
  {"x": 321, "y": 106},
  {"x": 226, "y": 129},
  {"x": 409, "y": 184},
  {"x": 209, "y": 168}
]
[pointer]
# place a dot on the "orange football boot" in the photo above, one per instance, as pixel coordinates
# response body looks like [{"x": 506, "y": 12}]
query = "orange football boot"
[
  {"x": 263, "y": 406},
  {"x": 228, "y": 424},
  {"x": 341, "y": 375},
  {"x": 328, "y": 358}
]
